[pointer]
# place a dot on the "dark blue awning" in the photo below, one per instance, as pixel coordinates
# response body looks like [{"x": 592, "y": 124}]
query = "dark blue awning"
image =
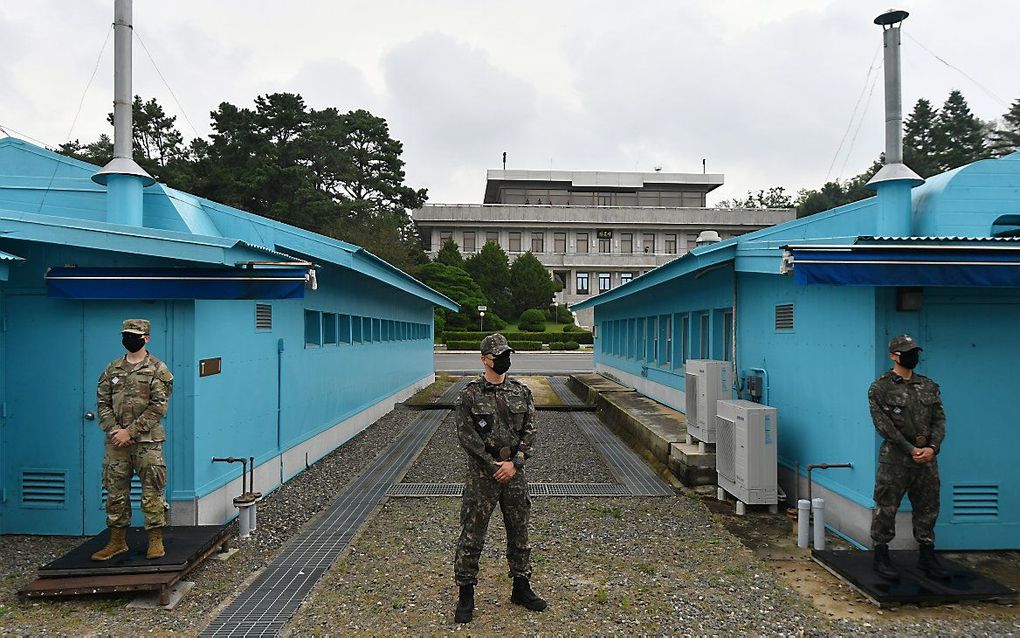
[
  {"x": 176, "y": 283},
  {"x": 985, "y": 266}
]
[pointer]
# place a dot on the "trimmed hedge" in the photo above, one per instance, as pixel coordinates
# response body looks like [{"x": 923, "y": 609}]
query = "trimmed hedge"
[
  {"x": 564, "y": 345},
  {"x": 572, "y": 327},
  {"x": 542, "y": 337},
  {"x": 475, "y": 345}
]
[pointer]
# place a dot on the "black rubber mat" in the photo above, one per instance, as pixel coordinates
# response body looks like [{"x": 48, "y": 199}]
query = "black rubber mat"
[
  {"x": 913, "y": 587},
  {"x": 182, "y": 544}
]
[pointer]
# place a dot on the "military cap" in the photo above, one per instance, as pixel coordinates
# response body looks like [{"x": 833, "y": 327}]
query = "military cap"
[
  {"x": 495, "y": 344},
  {"x": 136, "y": 326},
  {"x": 903, "y": 343}
]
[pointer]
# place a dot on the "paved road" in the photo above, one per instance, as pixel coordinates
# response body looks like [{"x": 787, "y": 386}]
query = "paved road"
[{"x": 523, "y": 363}]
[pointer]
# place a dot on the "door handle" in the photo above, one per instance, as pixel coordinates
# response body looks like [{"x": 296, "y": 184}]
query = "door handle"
[{"x": 90, "y": 416}]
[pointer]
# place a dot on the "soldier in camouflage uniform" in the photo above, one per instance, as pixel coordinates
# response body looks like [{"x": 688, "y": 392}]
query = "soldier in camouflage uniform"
[
  {"x": 906, "y": 408},
  {"x": 132, "y": 398},
  {"x": 495, "y": 418}
]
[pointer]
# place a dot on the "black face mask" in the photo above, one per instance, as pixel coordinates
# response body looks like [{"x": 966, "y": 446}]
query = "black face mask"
[
  {"x": 910, "y": 358},
  {"x": 501, "y": 363},
  {"x": 132, "y": 342}
]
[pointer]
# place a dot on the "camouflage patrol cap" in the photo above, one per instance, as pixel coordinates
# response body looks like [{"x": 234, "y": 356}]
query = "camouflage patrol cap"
[
  {"x": 903, "y": 343},
  {"x": 495, "y": 344},
  {"x": 136, "y": 326}
]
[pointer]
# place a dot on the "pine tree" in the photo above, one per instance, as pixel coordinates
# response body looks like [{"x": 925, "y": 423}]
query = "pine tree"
[
  {"x": 490, "y": 267},
  {"x": 531, "y": 285},
  {"x": 1005, "y": 139},
  {"x": 959, "y": 135},
  {"x": 919, "y": 151},
  {"x": 449, "y": 254}
]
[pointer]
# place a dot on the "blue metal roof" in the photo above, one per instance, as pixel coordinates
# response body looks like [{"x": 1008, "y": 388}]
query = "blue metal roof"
[
  {"x": 45, "y": 196},
  {"x": 9, "y": 257}
]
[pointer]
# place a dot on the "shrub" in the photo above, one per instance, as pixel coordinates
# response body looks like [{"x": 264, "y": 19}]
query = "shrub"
[
  {"x": 582, "y": 336},
  {"x": 493, "y": 322},
  {"x": 571, "y": 327},
  {"x": 571, "y": 345},
  {"x": 556, "y": 345},
  {"x": 532, "y": 321},
  {"x": 464, "y": 345},
  {"x": 521, "y": 346}
]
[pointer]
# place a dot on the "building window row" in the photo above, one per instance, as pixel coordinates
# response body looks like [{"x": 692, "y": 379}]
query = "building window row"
[
  {"x": 332, "y": 329},
  {"x": 669, "y": 340},
  {"x": 564, "y": 197},
  {"x": 584, "y": 242}
]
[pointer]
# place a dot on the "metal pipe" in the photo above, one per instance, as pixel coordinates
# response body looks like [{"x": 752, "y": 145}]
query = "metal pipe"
[
  {"x": 244, "y": 468},
  {"x": 122, "y": 33},
  {"x": 823, "y": 466}
]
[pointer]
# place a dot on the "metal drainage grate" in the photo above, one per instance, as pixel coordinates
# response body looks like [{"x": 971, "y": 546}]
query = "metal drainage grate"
[
  {"x": 269, "y": 602},
  {"x": 565, "y": 394},
  {"x": 625, "y": 464},
  {"x": 534, "y": 489},
  {"x": 450, "y": 394}
]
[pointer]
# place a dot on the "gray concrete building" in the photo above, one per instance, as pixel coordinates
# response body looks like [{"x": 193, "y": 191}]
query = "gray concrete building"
[{"x": 593, "y": 230}]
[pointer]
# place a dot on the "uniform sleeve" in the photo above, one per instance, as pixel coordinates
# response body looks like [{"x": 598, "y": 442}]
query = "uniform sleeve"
[
  {"x": 938, "y": 422},
  {"x": 104, "y": 402},
  {"x": 160, "y": 388},
  {"x": 884, "y": 424},
  {"x": 470, "y": 440},
  {"x": 526, "y": 448}
]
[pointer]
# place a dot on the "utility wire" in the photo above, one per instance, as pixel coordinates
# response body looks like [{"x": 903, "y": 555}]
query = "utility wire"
[
  {"x": 165, "y": 83},
  {"x": 853, "y": 114},
  {"x": 960, "y": 71},
  {"x": 867, "y": 105},
  {"x": 81, "y": 102}
]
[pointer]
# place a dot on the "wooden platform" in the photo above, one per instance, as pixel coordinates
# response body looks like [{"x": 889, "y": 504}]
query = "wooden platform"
[
  {"x": 855, "y": 568},
  {"x": 76, "y": 574}
]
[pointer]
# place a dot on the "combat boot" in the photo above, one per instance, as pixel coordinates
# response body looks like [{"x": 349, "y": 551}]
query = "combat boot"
[
  {"x": 155, "y": 543},
  {"x": 522, "y": 595},
  {"x": 928, "y": 562},
  {"x": 883, "y": 565},
  {"x": 116, "y": 545},
  {"x": 465, "y": 604}
]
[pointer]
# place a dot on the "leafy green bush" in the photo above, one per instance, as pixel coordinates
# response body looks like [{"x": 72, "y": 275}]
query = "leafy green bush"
[
  {"x": 556, "y": 345},
  {"x": 464, "y": 345},
  {"x": 571, "y": 327},
  {"x": 544, "y": 337},
  {"x": 522, "y": 346},
  {"x": 571, "y": 345},
  {"x": 532, "y": 321}
]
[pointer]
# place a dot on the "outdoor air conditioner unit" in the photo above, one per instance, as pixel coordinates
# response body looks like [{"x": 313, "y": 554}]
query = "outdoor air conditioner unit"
[
  {"x": 706, "y": 381},
  {"x": 746, "y": 451}
]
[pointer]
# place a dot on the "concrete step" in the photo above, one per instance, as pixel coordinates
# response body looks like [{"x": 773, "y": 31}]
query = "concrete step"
[{"x": 691, "y": 465}]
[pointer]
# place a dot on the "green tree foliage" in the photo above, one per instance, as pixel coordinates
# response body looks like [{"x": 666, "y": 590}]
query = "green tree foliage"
[
  {"x": 959, "y": 135},
  {"x": 532, "y": 321},
  {"x": 335, "y": 173},
  {"x": 449, "y": 254},
  {"x": 920, "y": 150},
  {"x": 775, "y": 197},
  {"x": 490, "y": 267},
  {"x": 458, "y": 285},
  {"x": 531, "y": 285},
  {"x": 837, "y": 193},
  {"x": 1005, "y": 138}
]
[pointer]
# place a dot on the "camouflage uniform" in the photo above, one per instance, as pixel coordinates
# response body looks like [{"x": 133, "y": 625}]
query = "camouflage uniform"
[
  {"x": 494, "y": 422},
  {"x": 135, "y": 397},
  {"x": 907, "y": 413}
]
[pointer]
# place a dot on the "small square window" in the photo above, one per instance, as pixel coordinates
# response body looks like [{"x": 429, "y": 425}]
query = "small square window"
[{"x": 313, "y": 328}]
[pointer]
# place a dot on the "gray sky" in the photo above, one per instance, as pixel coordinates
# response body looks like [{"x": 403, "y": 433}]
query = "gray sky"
[{"x": 763, "y": 90}]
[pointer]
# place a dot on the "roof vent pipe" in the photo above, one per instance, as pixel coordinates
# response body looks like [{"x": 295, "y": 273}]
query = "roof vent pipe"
[
  {"x": 123, "y": 178},
  {"x": 707, "y": 237},
  {"x": 895, "y": 179}
]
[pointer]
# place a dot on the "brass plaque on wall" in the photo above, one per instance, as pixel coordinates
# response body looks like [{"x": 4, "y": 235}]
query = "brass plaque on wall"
[{"x": 208, "y": 367}]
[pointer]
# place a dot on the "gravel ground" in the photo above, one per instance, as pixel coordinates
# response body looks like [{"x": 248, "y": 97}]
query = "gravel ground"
[
  {"x": 281, "y": 514},
  {"x": 562, "y": 455}
]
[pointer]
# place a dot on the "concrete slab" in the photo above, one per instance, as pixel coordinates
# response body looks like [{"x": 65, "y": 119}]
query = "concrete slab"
[
  {"x": 151, "y": 601},
  {"x": 651, "y": 424}
]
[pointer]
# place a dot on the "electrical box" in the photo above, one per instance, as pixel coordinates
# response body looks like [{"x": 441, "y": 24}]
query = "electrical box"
[
  {"x": 745, "y": 451},
  {"x": 706, "y": 381}
]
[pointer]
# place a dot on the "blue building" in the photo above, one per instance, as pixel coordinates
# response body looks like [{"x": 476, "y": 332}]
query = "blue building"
[
  {"x": 810, "y": 306},
  {"x": 283, "y": 343}
]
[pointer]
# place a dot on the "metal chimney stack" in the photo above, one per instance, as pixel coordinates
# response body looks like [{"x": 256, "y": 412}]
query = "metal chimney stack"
[
  {"x": 895, "y": 179},
  {"x": 123, "y": 178}
]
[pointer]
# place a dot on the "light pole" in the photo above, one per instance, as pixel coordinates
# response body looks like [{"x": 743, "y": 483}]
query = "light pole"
[{"x": 481, "y": 321}]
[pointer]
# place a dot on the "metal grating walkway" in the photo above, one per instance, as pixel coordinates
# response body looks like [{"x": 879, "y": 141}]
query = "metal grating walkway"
[
  {"x": 566, "y": 395},
  {"x": 629, "y": 468},
  {"x": 535, "y": 489},
  {"x": 269, "y": 602},
  {"x": 451, "y": 393}
]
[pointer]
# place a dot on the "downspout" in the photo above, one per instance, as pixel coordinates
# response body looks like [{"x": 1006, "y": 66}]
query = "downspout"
[{"x": 279, "y": 404}]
